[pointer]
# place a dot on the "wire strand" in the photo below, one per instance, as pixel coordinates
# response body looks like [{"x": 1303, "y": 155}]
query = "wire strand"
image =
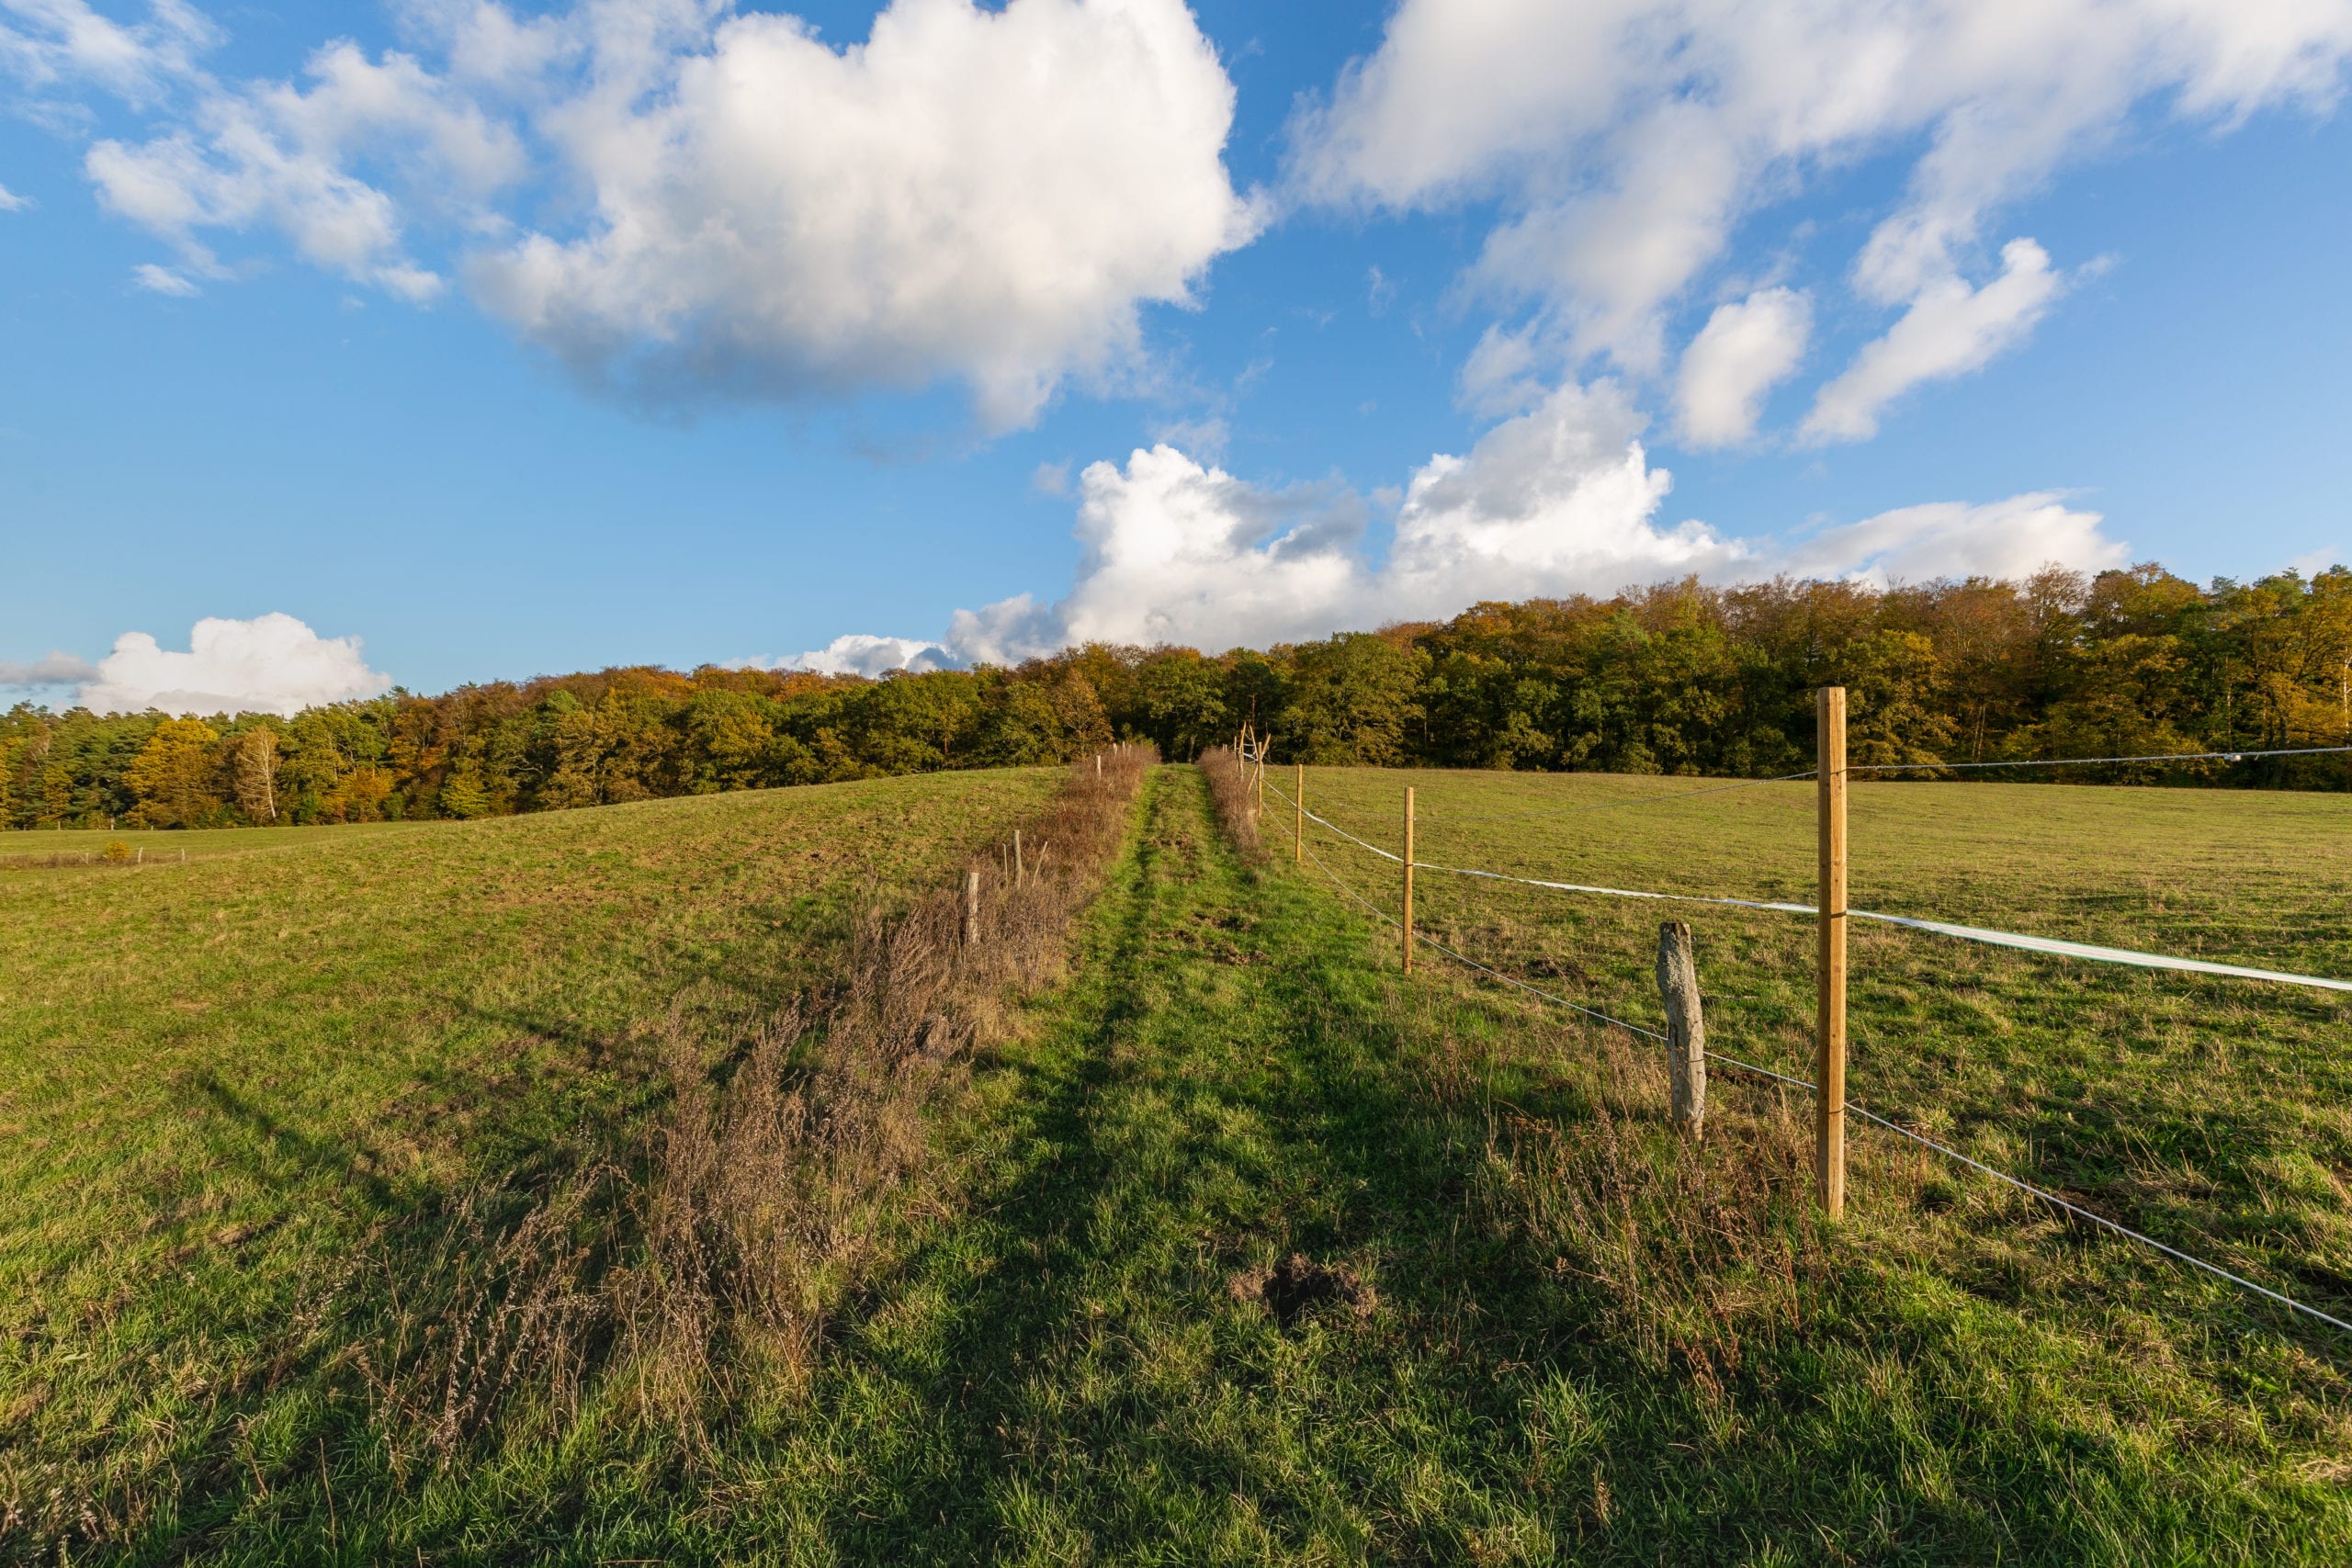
[
  {"x": 2054, "y": 946},
  {"x": 2077, "y": 1210},
  {"x": 1613, "y": 805},
  {"x": 2098, "y": 761},
  {"x": 1508, "y": 979},
  {"x": 1872, "y": 1117}
]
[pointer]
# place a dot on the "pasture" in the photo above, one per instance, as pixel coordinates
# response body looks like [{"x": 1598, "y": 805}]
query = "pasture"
[
  {"x": 221, "y": 1082},
  {"x": 1236, "y": 1245}
]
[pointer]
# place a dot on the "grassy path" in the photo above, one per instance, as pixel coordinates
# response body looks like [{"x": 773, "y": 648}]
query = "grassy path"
[{"x": 1065, "y": 1373}]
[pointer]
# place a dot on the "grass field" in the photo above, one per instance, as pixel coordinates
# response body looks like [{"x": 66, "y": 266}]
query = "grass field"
[
  {"x": 2190, "y": 1106},
  {"x": 218, "y": 1080},
  {"x": 1530, "y": 1326}
]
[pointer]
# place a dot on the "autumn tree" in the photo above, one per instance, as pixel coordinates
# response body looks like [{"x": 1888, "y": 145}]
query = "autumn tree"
[
  {"x": 252, "y": 771},
  {"x": 172, "y": 776}
]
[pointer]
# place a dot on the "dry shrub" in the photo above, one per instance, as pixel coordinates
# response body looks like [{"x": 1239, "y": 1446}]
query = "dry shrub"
[
  {"x": 1237, "y": 805},
  {"x": 671, "y": 1281},
  {"x": 1687, "y": 1247}
]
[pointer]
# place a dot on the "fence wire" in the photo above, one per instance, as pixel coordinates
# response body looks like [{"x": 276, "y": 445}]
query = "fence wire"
[
  {"x": 2054, "y": 946},
  {"x": 2029, "y": 1188}
]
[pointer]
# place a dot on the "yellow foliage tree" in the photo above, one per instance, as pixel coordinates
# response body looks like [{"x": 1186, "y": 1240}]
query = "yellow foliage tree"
[{"x": 172, "y": 776}]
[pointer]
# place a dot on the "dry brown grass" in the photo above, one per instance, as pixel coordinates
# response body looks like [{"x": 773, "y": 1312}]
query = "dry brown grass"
[
  {"x": 1236, "y": 802},
  {"x": 692, "y": 1275},
  {"x": 1687, "y": 1249}
]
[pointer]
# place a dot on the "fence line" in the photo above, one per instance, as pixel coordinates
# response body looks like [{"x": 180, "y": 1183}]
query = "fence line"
[
  {"x": 2056, "y": 946},
  {"x": 2242, "y": 756},
  {"x": 2100, "y": 761},
  {"x": 1872, "y": 1117}
]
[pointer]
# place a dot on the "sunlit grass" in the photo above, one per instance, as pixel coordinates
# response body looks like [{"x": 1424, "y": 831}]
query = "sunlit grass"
[{"x": 219, "y": 1079}]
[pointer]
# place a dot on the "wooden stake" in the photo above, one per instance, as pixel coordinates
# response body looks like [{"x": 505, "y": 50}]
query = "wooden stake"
[
  {"x": 1298, "y": 827},
  {"x": 1409, "y": 879},
  {"x": 971, "y": 909},
  {"x": 1686, "y": 1027},
  {"x": 1829, "y": 1024},
  {"x": 1098, "y": 767},
  {"x": 1019, "y": 872}
]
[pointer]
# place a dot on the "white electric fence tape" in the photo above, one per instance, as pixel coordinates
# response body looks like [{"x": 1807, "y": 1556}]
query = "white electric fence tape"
[
  {"x": 2044, "y": 944},
  {"x": 1898, "y": 1129},
  {"x": 2082, "y": 950}
]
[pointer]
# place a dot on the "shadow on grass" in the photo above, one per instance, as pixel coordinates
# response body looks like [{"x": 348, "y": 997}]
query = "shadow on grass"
[
  {"x": 1215, "y": 1092},
  {"x": 1064, "y": 1375}
]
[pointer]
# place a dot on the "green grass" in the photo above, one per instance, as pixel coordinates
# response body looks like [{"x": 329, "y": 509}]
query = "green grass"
[
  {"x": 2215, "y": 1113},
  {"x": 1591, "y": 1343},
  {"x": 30, "y": 850},
  {"x": 220, "y": 1080}
]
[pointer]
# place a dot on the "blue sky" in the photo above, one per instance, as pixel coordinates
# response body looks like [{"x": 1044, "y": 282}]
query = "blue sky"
[{"x": 388, "y": 372}]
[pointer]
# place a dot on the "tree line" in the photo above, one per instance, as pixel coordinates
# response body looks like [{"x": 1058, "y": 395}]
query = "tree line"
[{"x": 1677, "y": 678}]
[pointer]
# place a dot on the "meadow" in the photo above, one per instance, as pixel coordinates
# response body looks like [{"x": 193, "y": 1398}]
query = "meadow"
[
  {"x": 1235, "y": 1245},
  {"x": 223, "y": 1082}
]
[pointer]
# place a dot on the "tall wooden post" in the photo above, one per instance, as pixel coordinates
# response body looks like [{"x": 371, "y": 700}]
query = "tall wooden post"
[
  {"x": 1686, "y": 1027},
  {"x": 971, "y": 909},
  {"x": 1409, "y": 879},
  {"x": 1299, "y": 824},
  {"x": 1829, "y": 1030},
  {"x": 1019, "y": 871}
]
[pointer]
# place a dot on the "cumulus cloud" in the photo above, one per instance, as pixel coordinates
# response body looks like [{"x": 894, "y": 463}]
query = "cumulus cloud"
[
  {"x": 859, "y": 653},
  {"x": 2008, "y": 538},
  {"x": 1626, "y": 139},
  {"x": 1748, "y": 348},
  {"x": 990, "y": 194},
  {"x": 1557, "y": 501},
  {"x": 682, "y": 202},
  {"x": 1950, "y": 330},
  {"x": 55, "y": 669},
  {"x": 271, "y": 663}
]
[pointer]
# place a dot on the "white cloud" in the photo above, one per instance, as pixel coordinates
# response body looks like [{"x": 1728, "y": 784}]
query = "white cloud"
[
  {"x": 164, "y": 280},
  {"x": 2008, "y": 538},
  {"x": 279, "y": 157},
  {"x": 1626, "y": 139},
  {"x": 681, "y": 201},
  {"x": 47, "y": 44},
  {"x": 271, "y": 663},
  {"x": 11, "y": 202},
  {"x": 55, "y": 669},
  {"x": 859, "y": 653},
  {"x": 1950, "y": 330},
  {"x": 1746, "y": 348},
  {"x": 1172, "y": 550},
  {"x": 985, "y": 195},
  {"x": 1560, "y": 500}
]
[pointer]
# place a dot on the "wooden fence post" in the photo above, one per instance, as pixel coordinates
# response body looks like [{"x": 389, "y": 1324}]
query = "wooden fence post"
[
  {"x": 1299, "y": 823},
  {"x": 1829, "y": 1030},
  {"x": 971, "y": 909},
  {"x": 1020, "y": 872},
  {"x": 1409, "y": 879},
  {"x": 1686, "y": 1027}
]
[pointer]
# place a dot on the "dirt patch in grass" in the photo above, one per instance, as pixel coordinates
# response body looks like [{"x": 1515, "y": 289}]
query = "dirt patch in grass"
[{"x": 1298, "y": 1284}]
